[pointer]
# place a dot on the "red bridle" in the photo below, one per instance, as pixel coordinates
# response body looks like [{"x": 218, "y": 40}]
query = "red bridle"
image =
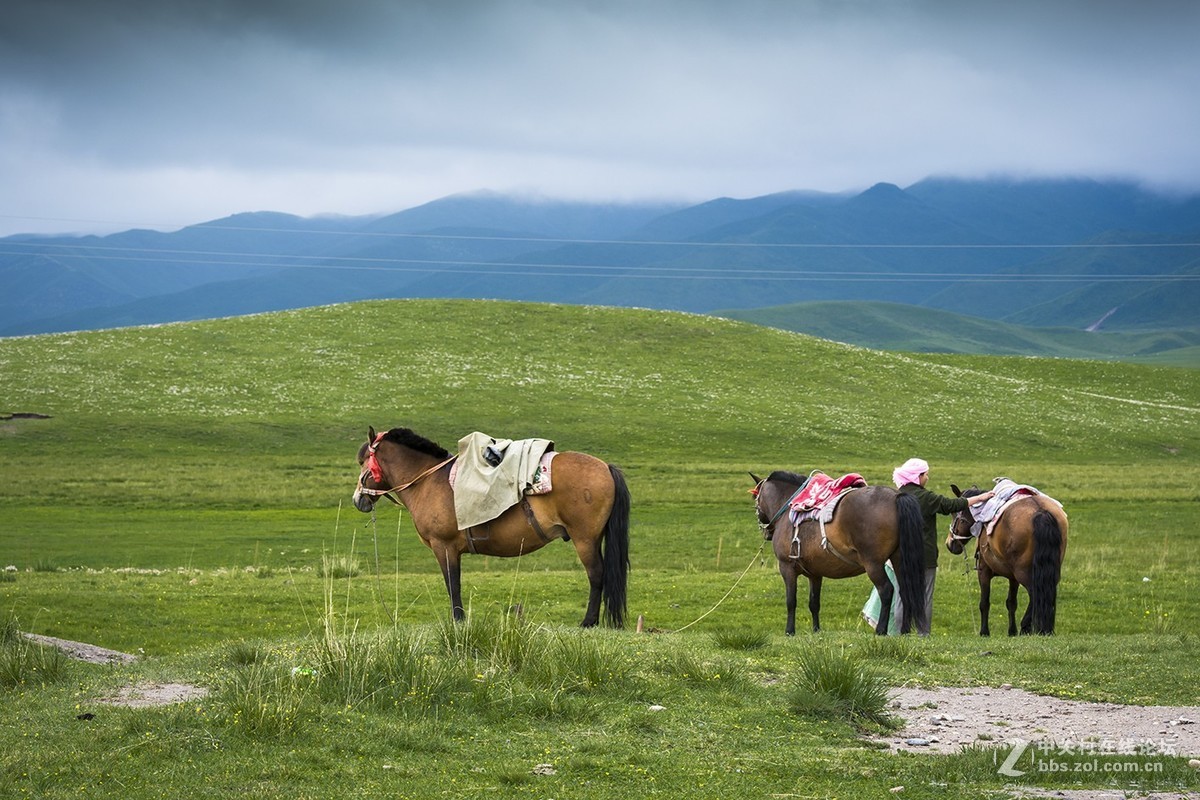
[
  {"x": 372, "y": 463},
  {"x": 371, "y": 467}
]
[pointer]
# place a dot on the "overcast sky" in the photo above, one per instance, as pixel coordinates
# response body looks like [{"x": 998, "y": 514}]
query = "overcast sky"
[{"x": 162, "y": 113}]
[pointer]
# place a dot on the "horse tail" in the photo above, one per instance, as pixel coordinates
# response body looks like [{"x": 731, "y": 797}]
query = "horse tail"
[
  {"x": 1043, "y": 586},
  {"x": 910, "y": 572},
  {"x": 615, "y": 554}
]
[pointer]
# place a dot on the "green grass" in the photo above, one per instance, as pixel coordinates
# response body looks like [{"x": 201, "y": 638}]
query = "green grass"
[
  {"x": 187, "y": 500},
  {"x": 895, "y": 326}
]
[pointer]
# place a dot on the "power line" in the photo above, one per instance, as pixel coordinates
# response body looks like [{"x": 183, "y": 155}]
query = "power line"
[
  {"x": 608, "y": 271},
  {"x": 667, "y": 243}
]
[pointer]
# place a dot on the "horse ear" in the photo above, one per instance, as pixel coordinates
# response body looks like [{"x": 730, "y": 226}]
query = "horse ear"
[
  {"x": 956, "y": 491},
  {"x": 755, "y": 478},
  {"x": 370, "y": 433}
]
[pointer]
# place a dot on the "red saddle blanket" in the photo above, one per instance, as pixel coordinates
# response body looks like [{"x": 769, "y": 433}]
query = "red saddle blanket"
[{"x": 821, "y": 488}]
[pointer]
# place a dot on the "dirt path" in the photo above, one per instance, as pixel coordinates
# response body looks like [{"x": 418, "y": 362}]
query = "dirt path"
[{"x": 81, "y": 651}]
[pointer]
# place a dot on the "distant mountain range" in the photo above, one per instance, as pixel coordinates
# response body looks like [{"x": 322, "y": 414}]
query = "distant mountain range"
[{"x": 1072, "y": 254}]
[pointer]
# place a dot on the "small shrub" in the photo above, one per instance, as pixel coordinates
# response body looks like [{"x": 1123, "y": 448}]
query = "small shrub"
[{"x": 837, "y": 685}]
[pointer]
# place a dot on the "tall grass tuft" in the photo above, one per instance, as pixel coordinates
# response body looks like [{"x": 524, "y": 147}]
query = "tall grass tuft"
[
  {"x": 268, "y": 702},
  {"x": 741, "y": 639},
  {"x": 498, "y": 665},
  {"x": 907, "y": 650},
  {"x": 500, "y": 642},
  {"x": 339, "y": 566},
  {"x": 242, "y": 653},
  {"x": 836, "y": 685},
  {"x": 25, "y": 663}
]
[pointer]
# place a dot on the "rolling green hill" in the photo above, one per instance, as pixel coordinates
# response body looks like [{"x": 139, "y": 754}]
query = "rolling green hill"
[
  {"x": 247, "y": 406},
  {"x": 893, "y": 326}
]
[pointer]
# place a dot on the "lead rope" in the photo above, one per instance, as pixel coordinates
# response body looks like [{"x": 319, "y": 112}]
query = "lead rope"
[
  {"x": 731, "y": 588},
  {"x": 387, "y": 492},
  {"x": 378, "y": 572}
]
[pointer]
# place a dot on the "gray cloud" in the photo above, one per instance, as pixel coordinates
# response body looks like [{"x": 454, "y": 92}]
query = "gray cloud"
[{"x": 171, "y": 112}]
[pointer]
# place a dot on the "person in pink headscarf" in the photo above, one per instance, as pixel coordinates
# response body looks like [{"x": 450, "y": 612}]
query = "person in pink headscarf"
[{"x": 910, "y": 478}]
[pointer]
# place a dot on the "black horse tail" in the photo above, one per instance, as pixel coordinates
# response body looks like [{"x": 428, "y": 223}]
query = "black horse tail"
[
  {"x": 910, "y": 572},
  {"x": 615, "y": 551},
  {"x": 1043, "y": 586}
]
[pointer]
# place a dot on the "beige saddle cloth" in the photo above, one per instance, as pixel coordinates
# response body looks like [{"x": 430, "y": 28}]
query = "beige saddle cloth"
[{"x": 484, "y": 490}]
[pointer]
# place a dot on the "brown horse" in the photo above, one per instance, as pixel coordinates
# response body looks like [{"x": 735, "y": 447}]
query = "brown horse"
[
  {"x": 871, "y": 525},
  {"x": 588, "y": 505},
  {"x": 1027, "y": 546}
]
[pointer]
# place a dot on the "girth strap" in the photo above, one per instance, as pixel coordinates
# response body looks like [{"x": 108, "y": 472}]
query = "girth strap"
[
  {"x": 826, "y": 546},
  {"x": 533, "y": 523},
  {"x": 473, "y": 537}
]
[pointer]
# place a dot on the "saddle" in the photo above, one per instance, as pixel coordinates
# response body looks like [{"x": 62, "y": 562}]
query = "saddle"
[
  {"x": 821, "y": 489},
  {"x": 818, "y": 499},
  {"x": 1007, "y": 492}
]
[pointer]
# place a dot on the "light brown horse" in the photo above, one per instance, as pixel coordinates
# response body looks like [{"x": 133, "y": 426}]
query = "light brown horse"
[
  {"x": 1027, "y": 546},
  {"x": 871, "y": 525},
  {"x": 588, "y": 505}
]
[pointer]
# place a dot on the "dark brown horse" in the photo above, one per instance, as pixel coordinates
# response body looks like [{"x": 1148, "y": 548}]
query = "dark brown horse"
[
  {"x": 588, "y": 505},
  {"x": 1026, "y": 546},
  {"x": 871, "y": 525}
]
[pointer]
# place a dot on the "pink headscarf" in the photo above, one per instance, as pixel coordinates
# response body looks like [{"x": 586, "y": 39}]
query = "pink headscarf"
[{"x": 910, "y": 471}]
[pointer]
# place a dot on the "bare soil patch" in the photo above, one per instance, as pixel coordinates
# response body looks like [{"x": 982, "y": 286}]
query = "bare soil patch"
[
  {"x": 946, "y": 719},
  {"x": 81, "y": 651},
  {"x": 147, "y": 695},
  {"x": 142, "y": 695}
]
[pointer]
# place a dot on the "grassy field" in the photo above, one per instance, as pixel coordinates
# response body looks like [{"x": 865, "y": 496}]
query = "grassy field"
[
  {"x": 895, "y": 326},
  {"x": 187, "y": 493}
]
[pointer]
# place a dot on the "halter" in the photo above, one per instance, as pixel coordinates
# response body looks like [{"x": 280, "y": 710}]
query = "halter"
[
  {"x": 958, "y": 537},
  {"x": 766, "y": 526},
  {"x": 371, "y": 467}
]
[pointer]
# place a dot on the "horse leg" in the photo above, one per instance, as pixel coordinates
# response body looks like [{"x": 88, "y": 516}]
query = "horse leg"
[
  {"x": 985, "y": 599},
  {"x": 814, "y": 600},
  {"x": 787, "y": 571},
  {"x": 1011, "y": 604},
  {"x": 593, "y": 565},
  {"x": 450, "y": 562},
  {"x": 886, "y": 597}
]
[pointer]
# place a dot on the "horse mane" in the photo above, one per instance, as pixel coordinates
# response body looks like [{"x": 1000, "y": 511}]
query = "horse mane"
[
  {"x": 974, "y": 490},
  {"x": 414, "y": 441},
  {"x": 783, "y": 476}
]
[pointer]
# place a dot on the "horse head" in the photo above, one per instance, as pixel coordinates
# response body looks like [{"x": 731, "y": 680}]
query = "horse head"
[
  {"x": 370, "y": 479},
  {"x": 960, "y": 524},
  {"x": 771, "y": 495},
  {"x": 764, "y": 520}
]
